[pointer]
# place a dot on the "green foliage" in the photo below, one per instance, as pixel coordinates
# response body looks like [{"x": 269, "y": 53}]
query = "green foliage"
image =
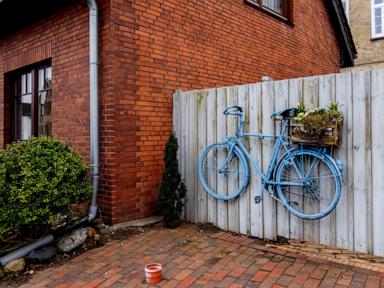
[
  {"x": 333, "y": 110},
  {"x": 316, "y": 121},
  {"x": 172, "y": 189},
  {"x": 39, "y": 179},
  {"x": 300, "y": 107}
]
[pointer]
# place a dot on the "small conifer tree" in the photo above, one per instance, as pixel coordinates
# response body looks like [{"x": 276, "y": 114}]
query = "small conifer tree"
[{"x": 172, "y": 189}]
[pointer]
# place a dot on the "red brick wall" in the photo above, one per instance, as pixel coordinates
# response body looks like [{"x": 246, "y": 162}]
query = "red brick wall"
[
  {"x": 185, "y": 44},
  {"x": 148, "y": 49}
]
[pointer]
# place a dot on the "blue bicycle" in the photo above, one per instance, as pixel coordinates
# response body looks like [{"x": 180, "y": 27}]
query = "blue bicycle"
[{"x": 306, "y": 180}]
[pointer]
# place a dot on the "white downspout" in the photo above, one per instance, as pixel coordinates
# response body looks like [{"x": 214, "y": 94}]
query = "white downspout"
[{"x": 93, "y": 104}]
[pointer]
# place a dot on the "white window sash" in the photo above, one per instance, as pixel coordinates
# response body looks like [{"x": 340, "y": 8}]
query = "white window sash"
[{"x": 373, "y": 20}]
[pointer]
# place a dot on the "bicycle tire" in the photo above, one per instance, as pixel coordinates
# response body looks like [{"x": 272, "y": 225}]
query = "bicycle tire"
[
  {"x": 310, "y": 183},
  {"x": 219, "y": 184}
]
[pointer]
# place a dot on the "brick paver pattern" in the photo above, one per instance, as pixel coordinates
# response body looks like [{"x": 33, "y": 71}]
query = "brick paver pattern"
[{"x": 197, "y": 258}]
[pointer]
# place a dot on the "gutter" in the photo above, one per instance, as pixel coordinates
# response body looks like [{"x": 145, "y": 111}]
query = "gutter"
[{"x": 94, "y": 143}]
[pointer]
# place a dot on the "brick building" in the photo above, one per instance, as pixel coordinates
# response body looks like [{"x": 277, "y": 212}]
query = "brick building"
[
  {"x": 147, "y": 50},
  {"x": 366, "y": 19}
]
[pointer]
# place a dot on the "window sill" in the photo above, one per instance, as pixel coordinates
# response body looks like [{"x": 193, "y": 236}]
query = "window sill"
[
  {"x": 269, "y": 12},
  {"x": 375, "y": 38}
]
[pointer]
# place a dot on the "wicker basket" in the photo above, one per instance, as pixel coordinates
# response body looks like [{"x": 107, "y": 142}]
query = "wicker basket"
[{"x": 331, "y": 137}]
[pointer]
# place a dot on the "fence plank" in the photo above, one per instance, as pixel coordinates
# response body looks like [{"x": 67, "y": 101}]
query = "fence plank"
[
  {"x": 311, "y": 101},
  {"x": 244, "y": 202},
  {"x": 201, "y": 119},
  {"x": 377, "y": 96},
  {"x": 281, "y": 103},
  {"x": 327, "y": 224},
  {"x": 362, "y": 159},
  {"x": 222, "y": 206},
  {"x": 192, "y": 153},
  {"x": 295, "y": 97},
  {"x": 343, "y": 97},
  {"x": 269, "y": 204},
  {"x": 255, "y": 126},
  {"x": 233, "y": 205},
  {"x": 211, "y": 139},
  {"x": 184, "y": 153}
]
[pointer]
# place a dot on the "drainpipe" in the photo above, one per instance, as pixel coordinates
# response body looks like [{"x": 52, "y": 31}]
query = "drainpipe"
[
  {"x": 94, "y": 143},
  {"x": 94, "y": 104}
]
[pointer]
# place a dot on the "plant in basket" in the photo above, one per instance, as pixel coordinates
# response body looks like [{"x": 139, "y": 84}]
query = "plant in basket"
[{"x": 320, "y": 126}]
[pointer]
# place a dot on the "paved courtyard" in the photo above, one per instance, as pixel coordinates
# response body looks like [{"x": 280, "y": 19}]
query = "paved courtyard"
[{"x": 200, "y": 258}]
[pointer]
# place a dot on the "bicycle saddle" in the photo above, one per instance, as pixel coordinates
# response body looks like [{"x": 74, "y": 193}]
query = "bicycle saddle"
[{"x": 287, "y": 113}]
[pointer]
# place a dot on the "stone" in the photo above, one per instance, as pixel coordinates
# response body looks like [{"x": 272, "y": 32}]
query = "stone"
[
  {"x": 2, "y": 274},
  {"x": 17, "y": 265},
  {"x": 91, "y": 232},
  {"x": 72, "y": 240},
  {"x": 97, "y": 237},
  {"x": 43, "y": 254}
]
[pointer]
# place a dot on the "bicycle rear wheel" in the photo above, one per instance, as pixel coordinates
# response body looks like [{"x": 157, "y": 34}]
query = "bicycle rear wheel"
[
  {"x": 310, "y": 184},
  {"x": 223, "y": 173}
]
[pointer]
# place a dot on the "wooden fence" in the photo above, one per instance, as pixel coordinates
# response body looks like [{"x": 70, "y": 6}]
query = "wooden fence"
[{"x": 358, "y": 221}]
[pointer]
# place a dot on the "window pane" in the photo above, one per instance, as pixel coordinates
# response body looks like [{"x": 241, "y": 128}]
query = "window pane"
[
  {"x": 278, "y": 6},
  {"x": 23, "y": 84},
  {"x": 26, "y": 117},
  {"x": 378, "y": 21},
  {"x": 29, "y": 83},
  {"x": 48, "y": 78},
  {"x": 378, "y": 1},
  {"x": 45, "y": 123},
  {"x": 41, "y": 79},
  {"x": 274, "y": 5}
]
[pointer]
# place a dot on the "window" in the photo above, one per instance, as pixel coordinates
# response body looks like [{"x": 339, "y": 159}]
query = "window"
[
  {"x": 276, "y": 7},
  {"x": 346, "y": 7},
  {"x": 377, "y": 14},
  {"x": 32, "y": 96}
]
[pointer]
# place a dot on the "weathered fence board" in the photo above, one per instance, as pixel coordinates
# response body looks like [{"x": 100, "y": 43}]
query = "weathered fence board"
[
  {"x": 327, "y": 224},
  {"x": 211, "y": 139},
  {"x": 222, "y": 206},
  {"x": 295, "y": 94},
  {"x": 357, "y": 221},
  {"x": 257, "y": 226},
  {"x": 377, "y": 104}
]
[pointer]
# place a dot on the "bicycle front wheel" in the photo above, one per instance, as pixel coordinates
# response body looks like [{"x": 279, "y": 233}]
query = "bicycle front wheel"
[
  {"x": 223, "y": 172},
  {"x": 309, "y": 184}
]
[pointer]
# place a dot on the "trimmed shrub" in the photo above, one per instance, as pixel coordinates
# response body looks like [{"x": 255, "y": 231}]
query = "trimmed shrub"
[
  {"x": 172, "y": 189},
  {"x": 39, "y": 179}
]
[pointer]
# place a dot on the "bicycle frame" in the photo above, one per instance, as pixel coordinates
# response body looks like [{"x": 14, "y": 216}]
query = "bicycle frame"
[{"x": 281, "y": 141}]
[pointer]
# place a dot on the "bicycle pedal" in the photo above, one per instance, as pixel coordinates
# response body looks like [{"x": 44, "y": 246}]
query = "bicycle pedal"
[{"x": 257, "y": 199}]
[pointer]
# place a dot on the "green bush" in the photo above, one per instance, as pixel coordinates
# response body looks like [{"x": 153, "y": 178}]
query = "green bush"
[
  {"x": 39, "y": 179},
  {"x": 172, "y": 189}
]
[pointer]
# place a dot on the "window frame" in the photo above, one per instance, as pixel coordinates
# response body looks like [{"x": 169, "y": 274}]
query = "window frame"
[
  {"x": 15, "y": 91},
  {"x": 287, "y": 17},
  {"x": 374, "y": 6}
]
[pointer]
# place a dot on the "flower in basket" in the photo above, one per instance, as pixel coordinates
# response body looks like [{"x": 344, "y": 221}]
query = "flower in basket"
[{"x": 316, "y": 122}]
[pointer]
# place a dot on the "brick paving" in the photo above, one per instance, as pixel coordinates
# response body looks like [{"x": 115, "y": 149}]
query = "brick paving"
[{"x": 199, "y": 258}]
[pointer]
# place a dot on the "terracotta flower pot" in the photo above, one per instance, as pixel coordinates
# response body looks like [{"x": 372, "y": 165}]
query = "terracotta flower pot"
[{"x": 153, "y": 273}]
